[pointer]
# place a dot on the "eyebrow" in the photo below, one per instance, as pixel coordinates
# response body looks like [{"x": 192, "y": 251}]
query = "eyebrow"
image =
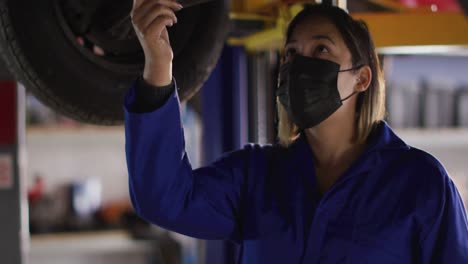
[{"x": 316, "y": 37}]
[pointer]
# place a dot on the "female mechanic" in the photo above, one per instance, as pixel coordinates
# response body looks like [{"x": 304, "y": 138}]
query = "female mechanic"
[{"x": 339, "y": 187}]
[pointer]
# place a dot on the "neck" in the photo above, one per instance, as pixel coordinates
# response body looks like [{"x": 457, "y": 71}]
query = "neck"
[{"x": 332, "y": 142}]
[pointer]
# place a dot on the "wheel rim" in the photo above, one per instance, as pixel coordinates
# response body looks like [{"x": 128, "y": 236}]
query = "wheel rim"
[{"x": 103, "y": 35}]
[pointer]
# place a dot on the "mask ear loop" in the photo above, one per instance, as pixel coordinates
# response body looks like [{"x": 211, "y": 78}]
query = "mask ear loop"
[
  {"x": 351, "y": 69},
  {"x": 349, "y": 96}
]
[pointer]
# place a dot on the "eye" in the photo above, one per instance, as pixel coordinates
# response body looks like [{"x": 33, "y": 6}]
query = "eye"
[
  {"x": 322, "y": 49},
  {"x": 290, "y": 52}
]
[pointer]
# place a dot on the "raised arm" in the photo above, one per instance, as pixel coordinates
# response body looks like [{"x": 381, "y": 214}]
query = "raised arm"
[{"x": 204, "y": 203}]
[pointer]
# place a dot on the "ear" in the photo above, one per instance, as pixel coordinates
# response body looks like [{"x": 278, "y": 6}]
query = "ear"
[{"x": 363, "y": 79}]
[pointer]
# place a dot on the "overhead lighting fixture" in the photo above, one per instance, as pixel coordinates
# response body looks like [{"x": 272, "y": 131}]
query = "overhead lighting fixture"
[{"x": 426, "y": 50}]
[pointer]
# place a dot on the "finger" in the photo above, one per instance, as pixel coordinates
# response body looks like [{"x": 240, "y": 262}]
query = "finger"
[
  {"x": 155, "y": 29},
  {"x": 165, "y": 35},
  {"x": 137, "y": 3},
  {"x": 148, "y": 5},
  {"x": 173, "y": 4},
  {"x": 144, "y": 22},
  {"x": 154, "y": 9}
]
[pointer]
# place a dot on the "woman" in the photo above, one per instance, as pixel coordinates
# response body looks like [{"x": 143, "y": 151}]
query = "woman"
[{"x": 340, "y": 187}]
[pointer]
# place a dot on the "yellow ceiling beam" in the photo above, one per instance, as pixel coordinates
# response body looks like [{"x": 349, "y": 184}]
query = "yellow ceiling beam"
[
  {"x": 251, "y": 5},
  {"x": 415, "y": 29},
  {"x": 271, "y": 38},
  {"x": 387, "y": 30}
]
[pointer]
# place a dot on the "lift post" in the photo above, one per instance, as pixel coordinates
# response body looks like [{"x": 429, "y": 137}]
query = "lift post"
[{"x": 14, "y": 229}]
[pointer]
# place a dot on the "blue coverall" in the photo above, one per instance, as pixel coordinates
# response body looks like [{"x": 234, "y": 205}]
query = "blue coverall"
[{"x": 395, "y": 204}]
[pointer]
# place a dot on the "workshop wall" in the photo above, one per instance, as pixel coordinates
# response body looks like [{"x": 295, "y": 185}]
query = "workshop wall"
[{"x": 67, "y": 155}]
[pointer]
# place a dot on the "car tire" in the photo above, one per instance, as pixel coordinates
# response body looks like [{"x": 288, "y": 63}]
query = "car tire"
[{"x": 42, "y": 50}]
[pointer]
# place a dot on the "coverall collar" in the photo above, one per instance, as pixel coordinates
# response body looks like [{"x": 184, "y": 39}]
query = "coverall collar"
[{"x": 381, "y": 139}]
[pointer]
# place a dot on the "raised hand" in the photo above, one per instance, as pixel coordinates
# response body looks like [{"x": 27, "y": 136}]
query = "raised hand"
[{"x": 150, "y": 19}]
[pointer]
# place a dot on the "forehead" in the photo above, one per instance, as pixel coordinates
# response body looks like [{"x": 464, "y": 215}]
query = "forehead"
[{"x": 312, "y": 26}]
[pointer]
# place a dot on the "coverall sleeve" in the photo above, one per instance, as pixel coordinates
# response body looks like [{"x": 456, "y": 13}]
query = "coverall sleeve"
[
  {"x": 203, "y": 203},
  {"x": 446, "y": 240}
]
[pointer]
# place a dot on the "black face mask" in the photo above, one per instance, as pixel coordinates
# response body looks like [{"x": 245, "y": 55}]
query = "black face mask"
[{"x": 308, "y": 90}]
